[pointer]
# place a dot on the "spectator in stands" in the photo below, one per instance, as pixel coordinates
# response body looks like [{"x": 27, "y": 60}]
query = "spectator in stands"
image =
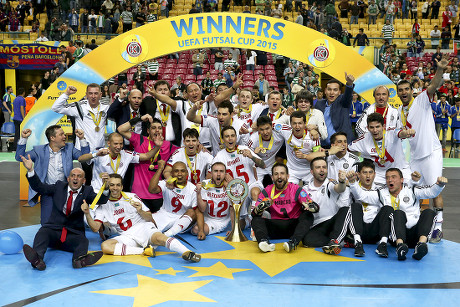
[
  {"x": 420, "y": 46},
  {"x": 435, "y": 35},
  {"x": 61, "y": 65},
  {"x": 164, "y": 8},
  {"x": 74, "y": 20},
  {"x": 206, "y": 84},
  {"x": 446, "y": 36},
  {"x": 179, "y": 85},
  {"x": 152, "y": 68},
  {"x": 231, "y": 62},
  {"x": 152, "y": 15},
  {"x": 413, "y": 9},
  {"x": 453, "y": 8},
  {"x": 251, "y": 60},
  {"x": 435, "y": 9},
  {"x": 372, "y": 11},
  {"x": 19, "y": 112},
  {"x": 30, "y": 100},
  {"x": 361, "y": 39},
  {"x": 415, "y": 28},
  {"x": 426, "y": 9},
  {"x": 390, "y": 11},
  {"x": 454, "y": 75},
  {"x": 139, "y": 78},
  {"x": 141, "y": 17},
  {"x": 343, "y": 7},
  {"x": 14, "y": 25},
  {"x": 229, "y": 76},
  {"x": 330, "y": 13},
  {"x": 218, "y": 59},
  {"x": 289, "y": 74},
  {"x": 84, "y": 21},
  {"x": 446, "y": 18},
  {"x": 299, "y": 19},
  {"x": 92, "y": 20},
  {"x": 127, "y": 19},
  {"x": 197, "y": 60},
  {"x": 79, "y": 53},
  {"x": 288, "y": 98},
  {"x": 388, "y": 31},
  {"x": 93, "y": 44},
  {"x": 220, "y": 80},
  {"x": 262, "y": 85},
  {"x": 354, "y": 10}
]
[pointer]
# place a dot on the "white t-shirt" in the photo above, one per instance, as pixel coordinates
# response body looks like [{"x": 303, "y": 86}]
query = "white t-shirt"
[
  {"x": 269, "y": 157},
  {"x": 238, "y": 166},
  {"x": 120, "y": 214},
  {"x": 420, "y": 118},
  {"x": 177, "y": 200},
  {"x": 218, "y": 203},
  {"x": 106, "y": 164},
  {"x": 200, "y": 162}
]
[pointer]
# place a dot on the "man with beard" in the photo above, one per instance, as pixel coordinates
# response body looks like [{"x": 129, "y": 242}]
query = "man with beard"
[
  {"x": 213, "y": 203},
  {"x": 381, "y": 106},
  {"x": 290, "y": 212}
]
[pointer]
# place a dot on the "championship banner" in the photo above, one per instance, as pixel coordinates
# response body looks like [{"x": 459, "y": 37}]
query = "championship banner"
[
  {"x": 208, "y": 30},
  {"x": 28, "y": 56}
]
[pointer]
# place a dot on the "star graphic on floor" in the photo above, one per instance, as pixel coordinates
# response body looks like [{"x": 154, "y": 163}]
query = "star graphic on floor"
[
  {"x": 169, "y": 271},
  {"x": 164, "y": 292},
  {"x": 132, "y": 259},
  {"x": 272, "y": 263},
  {"x": 218, "y": 269}
]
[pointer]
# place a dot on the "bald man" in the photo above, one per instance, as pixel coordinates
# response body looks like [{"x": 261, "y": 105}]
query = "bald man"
[
  {"x": 178, "y": 212},
  {"x": 126, "y": 107},
  {"x": 65, "y": 229}
]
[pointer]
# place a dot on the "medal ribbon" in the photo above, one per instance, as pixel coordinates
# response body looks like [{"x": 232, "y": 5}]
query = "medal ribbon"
[
  {"x": 247, "y": 111},
  {"x": 196, "y": 126},
  {"x": 294, "y": 146},
  {"x": 189, "y": 163},
  {"x": 381, "y": 153},
  {"x": 174, "y": 180},
  {"x": 394, "y": 203},
  {"x": 93, "y": 116},
  {"x": 209, "y": 185},
  {"x": 115, "y": 169},
  {"x": 404, "y": 114},
  {"x": 156, "y": 155},
  {"x": 363, "y": 203},
  {"x": 272, "y": 193},
  {"x": 270, "y": 145}
]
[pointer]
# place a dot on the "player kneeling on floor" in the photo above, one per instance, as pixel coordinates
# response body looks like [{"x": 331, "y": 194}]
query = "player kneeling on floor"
[
  {"x": 133, "y": 221},
  {"x": 290, "y": 208},
  {"x": 214, "y": 207}
]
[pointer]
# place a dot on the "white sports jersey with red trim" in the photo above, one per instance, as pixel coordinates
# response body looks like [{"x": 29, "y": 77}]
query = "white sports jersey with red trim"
[
  {"x": 120, "y": 214},
  {"x": 238, "y": 166},
  {"x": 202, "y": 160},
  {"x": 306, "y": 145},
  {"x": 103, "y": 164},
  {"x": 178, "y": 200},
  {"x": 420, "y": 118},
  {"x": 394, "y": 154},
  {"x": 269, "y": 157},
  {"x": 214, "y": 129},
  {"x": 250, "y": 117},
  {"x": 218, "y": 203}
]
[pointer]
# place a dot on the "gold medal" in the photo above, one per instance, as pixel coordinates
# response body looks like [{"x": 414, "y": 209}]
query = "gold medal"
[
  {"x": 195, "y": 176},
  {"x": 382, "y": 161},
  {"x": 163, "y": 123},
  {"x": 151, "y": 167},
  {"x": 222, "y": 146},
  {"x": 263, "y": 150},
  {"x": 97, "y": 129},
  {"x": 238, "y": 151}
]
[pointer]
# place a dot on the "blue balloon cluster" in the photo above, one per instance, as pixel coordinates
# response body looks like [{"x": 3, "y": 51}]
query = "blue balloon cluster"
[{"x": 10, "y": 242}]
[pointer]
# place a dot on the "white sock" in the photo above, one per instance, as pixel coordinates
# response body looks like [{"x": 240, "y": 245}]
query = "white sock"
[
  {"x": 253, "y": 205},
  {"x": 439, "y": 220},
  {"x": 357, "y": 238},
  {"x": 181, "y": 224},
  {"x": 123, "y": 250},
  {"x": 174, "y": 245},
  {"x": 384, "y": 240}
]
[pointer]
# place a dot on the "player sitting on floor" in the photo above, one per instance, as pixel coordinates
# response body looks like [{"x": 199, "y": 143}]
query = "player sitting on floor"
[{"x": 134, "y": 222}]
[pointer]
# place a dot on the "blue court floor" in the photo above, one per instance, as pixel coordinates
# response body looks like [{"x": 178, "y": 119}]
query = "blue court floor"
[{"x": 232, "y": 274}]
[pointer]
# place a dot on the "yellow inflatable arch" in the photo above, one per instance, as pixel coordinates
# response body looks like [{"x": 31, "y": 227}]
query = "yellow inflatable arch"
[{"x": 187, "y": 32}]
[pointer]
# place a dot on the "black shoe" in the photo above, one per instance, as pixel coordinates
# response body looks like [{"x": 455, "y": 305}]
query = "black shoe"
[
  {"x": 421, "y": 249},
  {"x": 359, "y": 249},
  {"x": 401, "y": 251},
  {"x": 88, "y": 259},
  {"x": 34, "y": 259},
  {"x": 382, "y": 250},
  {"x": 290, "y": 245},
  {"x": 332, "y": 248},
  {"x": 191, "y": 256}
]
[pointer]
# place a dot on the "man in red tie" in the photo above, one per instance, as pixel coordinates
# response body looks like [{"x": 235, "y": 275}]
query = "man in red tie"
[{"x": 65, "y": 229}]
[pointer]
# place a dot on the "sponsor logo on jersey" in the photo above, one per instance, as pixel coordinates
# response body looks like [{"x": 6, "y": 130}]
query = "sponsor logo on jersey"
[
  {"x": 406, "y": 199},
  {"x": 346, "y": 165},
  {"x": 278, "y": 127},
  {"x": 303, "y": 193},
  {"x": 117, "y": 204},
  {"x": 119, "y": 211}
]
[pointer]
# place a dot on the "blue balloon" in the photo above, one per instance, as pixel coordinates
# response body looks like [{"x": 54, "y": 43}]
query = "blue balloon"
[{"x": 10, "y": 242}]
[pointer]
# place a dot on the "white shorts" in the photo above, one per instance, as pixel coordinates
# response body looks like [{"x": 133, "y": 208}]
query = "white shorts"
[
  {"x": 298, "y": 176},
  {"x": 216, "y": 225},
  {"x": 165, "y": 219},
  {"x": 261, "y": 172},
  {"x": 138, "y": 235},
  {"x": 429, "y": 167}
]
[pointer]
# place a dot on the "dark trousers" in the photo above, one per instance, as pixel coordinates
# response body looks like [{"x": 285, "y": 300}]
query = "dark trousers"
[
  {"x": 294, "y": 229},
  {"x": 17, "y": 132},
  {"x": 46, "y": 237},
  {"x": 88, "y": 169},
  {"x": 370, "y": 232},
  {"x": 333, "y": 228},
  {"x": 423, "y": 227},
  {"x": 153, "y": 204}
]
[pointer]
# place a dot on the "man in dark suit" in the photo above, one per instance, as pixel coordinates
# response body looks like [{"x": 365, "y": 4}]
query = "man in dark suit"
[
  {"x": 53, "y": 161},
  {"x": 125, "y": 108},
  {"x": 65, "y": 229},
  {"x": 336, "y": 109}
]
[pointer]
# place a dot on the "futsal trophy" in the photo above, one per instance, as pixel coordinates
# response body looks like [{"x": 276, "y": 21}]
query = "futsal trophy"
[{"x": 237, "y": 191}]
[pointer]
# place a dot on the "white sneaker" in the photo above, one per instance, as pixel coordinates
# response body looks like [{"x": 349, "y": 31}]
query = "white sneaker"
[{"x": 266, "y": 246}]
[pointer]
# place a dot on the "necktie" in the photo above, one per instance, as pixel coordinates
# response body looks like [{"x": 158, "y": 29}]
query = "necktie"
[
  {"x": 67, "y": 213},
  {"x": 134, "y": 114}
]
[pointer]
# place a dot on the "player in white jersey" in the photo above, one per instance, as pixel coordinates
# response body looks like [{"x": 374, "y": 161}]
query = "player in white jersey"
[
  {"x": 240, "y": 162},
  {"x": 90, "y": 116},
  {"x": 247, "y": 111},
  {"x": 134, "y": 223},
  {"x": 300, "y": 147},
  {"x": 214, "y": 203},
  {"x": 265, "y": 143},
  {"x": 314, "y": 118},
  {"x": 342, "y": 160},
  {"x": 381, "y": 105},
  {"x": 383, "y": 147},
  {"x": 330, "y": 222},
  {"x": 179, "y": 199},
  {"x": 425, "y": 148},
  {"x": 215, "y": 124},
  {"x": 113, "y": 159},
  {"x": 410, "y": 227},
  {"x": 369, "y": 222},
  {"x": 198, "y": 163}
]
